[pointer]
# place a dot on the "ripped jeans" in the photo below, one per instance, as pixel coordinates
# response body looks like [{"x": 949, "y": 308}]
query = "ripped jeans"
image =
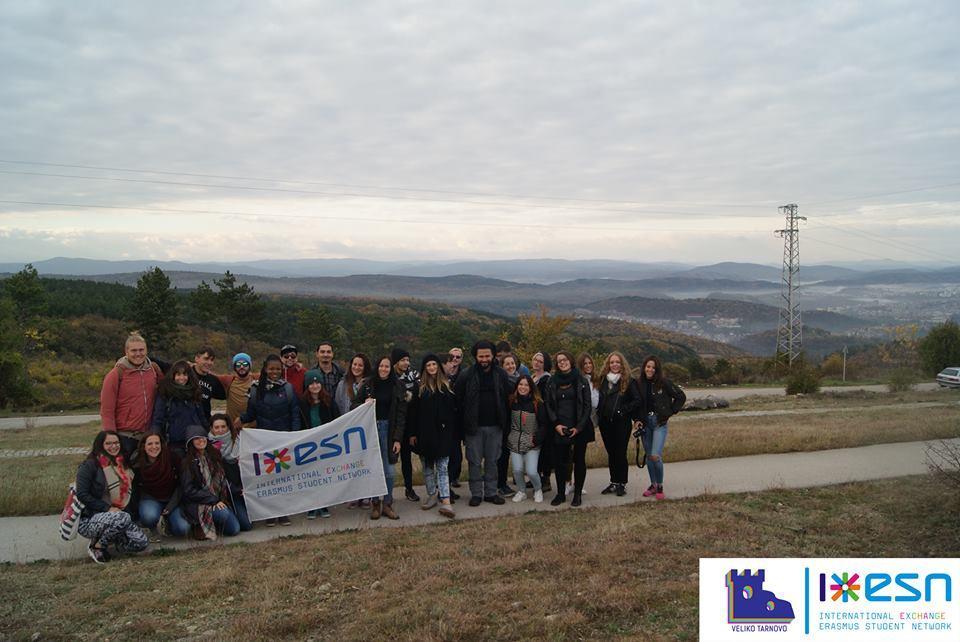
[{"x": 654, "y": 437}]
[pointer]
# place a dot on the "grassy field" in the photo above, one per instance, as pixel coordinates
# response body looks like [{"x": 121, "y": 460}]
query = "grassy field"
[
  {"x": 40, "y": 488},
  {"x": 628, "y": 572}
]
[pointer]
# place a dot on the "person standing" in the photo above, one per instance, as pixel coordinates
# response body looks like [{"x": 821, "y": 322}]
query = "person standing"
[
  {"x": 660, "y": 400},
  {"x": 330, "y": 370},
  {"x": 178, "y": 406},
  {"x": 410, "y": 379},
  {"x": 293, "y": 370},
  {"x": 528, "y": 426},
  {"x": 347, "y": 397},
  {"x": 128, "y": 394},
  {"x": 452, "y": 365},
  {"x": 211, "y": 387},
  {"x": 237, "y": 386},
  {"x": 568, "y": 408},
  {"x": 385, "y": 390},
  {"x": 316, "y": 409},
  {"x": 273, "y": 405},
  {"x": 104, "y": 485},
  {"x": 431, "y": 426},
  {"x": 540, "y": 373},
  {"x": 619, "y": 401},
  {"x": 483, "y": 393}
]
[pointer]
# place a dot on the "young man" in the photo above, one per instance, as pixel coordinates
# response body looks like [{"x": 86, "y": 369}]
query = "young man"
[
  {"x": 210, "y": 385},
  {"x": 237, "y": 386},
  {"x": 483, "y": 400},
  {"x": 410, "y": 379},
  {"x": 128, "y": 394},
  {"x": 330, "y": 372},
  {"x": 293, "y": 370}
]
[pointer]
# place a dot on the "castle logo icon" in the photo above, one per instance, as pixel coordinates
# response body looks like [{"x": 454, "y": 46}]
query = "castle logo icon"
[{"x": 749, "y": 603}]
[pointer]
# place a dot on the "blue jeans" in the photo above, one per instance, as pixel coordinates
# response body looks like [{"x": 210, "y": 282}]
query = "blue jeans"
[
  {"x": 436, "y": 476},
  {"x": 150, "y": 510},
  {"x": 240, "y": 512},
  {"x": 526, "y": 463},
  {"x": 654, "y": 438},
  {"x": 226, "y": 522},
  {"x": 383, "y": 431}
]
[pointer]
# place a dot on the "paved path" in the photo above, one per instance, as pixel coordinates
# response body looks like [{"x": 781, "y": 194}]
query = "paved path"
[
  {"x": 736, "y": 393},
  {"x": 14, "y": 423},
  {"x": 24, "y": 539},
  {"x": 43, "y": 452}
]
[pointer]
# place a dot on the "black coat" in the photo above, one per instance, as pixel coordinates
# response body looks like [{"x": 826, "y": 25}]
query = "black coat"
[
  {"x": 468, "y": 398},
  {"x": 584, "y": 408},
  {"x": 667, "y": 401},
  {"x": 327, "y": 413},
  {"x": 432, "y": 419},
  {"x": 92, "y": 488},
  {"x": 398, "y": 406},
  {"x": 193, "y": 492},
  {"x": 625, "y": 405},
  {"x": 278, "y": 410}
]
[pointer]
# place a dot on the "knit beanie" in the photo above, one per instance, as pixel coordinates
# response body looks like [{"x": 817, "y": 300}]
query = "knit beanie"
[
  {"x": 397, "y": 354},
  {"x": 312, "y": 376},
  {"x": 427, "y": 358},
  {"x": 241, "y": 356}
]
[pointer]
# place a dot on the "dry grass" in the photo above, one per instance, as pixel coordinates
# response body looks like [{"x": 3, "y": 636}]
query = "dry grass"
[
  {"x": 77, "y": 436},
  {"x": 839, "y": 399},
  {"x": 620, "y": 572},
  {"x": 36, "y": 485}
]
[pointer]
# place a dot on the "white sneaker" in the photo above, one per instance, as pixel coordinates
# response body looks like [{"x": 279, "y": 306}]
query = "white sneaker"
[
  {"x": 519, "y": 496},
  {"x": 538, "y": 496},
  {"x": 569, "y": 488}
]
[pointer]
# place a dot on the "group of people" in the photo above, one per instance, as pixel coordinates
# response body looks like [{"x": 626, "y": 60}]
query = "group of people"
[{"x": 165, "y": 461}]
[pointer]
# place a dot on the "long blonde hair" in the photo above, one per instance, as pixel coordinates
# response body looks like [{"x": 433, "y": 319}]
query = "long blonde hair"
[
  {"x": 624, "y": 370},
  {"x": 434, "y": 383}
]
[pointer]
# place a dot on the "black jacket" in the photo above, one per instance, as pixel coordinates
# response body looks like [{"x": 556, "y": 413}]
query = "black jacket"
[
  {"x": 584, "y": 408},
  {"x": 92, "y": 488},
  {"x": 468, "y": 398},
  {"x": 625, "y": 405},
  {"x": 398, "y": 406},
  {"x": 432, "y": 419},
  {"x": 278, "y": 410},
  {"x": 193, "y": 492},
  {"x": 666, "y": 402}
]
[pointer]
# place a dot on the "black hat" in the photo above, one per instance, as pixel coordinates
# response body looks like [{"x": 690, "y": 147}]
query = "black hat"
[
  {"x": 195, "y": 431},
  {"x": 288, "y": 348},
  {"x": 397, "y": 354},
  {"x": 427, "y": 358}
]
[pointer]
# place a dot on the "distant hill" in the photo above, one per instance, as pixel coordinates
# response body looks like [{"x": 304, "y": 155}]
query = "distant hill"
[
  {"x": 817, "y": 343},
  {"x": 755, "y": 272},
  {"x": 900, "y": 277}
]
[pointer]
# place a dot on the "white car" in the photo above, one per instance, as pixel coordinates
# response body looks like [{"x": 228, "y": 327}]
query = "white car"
[{"x": 949, "y": 378}]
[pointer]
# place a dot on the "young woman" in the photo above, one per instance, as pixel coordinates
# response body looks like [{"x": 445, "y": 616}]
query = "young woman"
[
  {"x": 660, "y": 400},
  {"x": 158, "y": 481},
  {"x": 223, "y": 435},
  {"x": 389, "y": 394},
  {"x": 206, "y": 491},
  {"x": 528, "y": 426},
  {"x": 104, "y": 484},
  {"x": 568, "y": 407},
  {"x": 540, "y": 372},
  {"x": 619, "y": 400},
  {"x": 431, "y": 421},
  {"x": 274, "y": 405},
  {"x": 347, "y": 396},
  {"x": 316, "y": 409},
  {"x": 178, "y": 406},
  {"x": 510, "y": 365},
  {"x": 589, "y": 372}
]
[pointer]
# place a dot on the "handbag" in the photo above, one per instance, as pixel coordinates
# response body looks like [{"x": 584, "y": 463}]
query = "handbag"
[{"x": 70, "y": 516}]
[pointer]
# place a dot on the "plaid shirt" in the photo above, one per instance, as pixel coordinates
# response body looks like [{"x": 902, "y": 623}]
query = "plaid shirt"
[{"x": 331, "y": 380}]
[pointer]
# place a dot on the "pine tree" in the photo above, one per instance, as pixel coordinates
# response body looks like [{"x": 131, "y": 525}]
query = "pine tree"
[{"x": 155, "y": 309}]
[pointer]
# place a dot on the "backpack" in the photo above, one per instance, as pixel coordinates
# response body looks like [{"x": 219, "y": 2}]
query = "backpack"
[{"x": 70, "y": 517}]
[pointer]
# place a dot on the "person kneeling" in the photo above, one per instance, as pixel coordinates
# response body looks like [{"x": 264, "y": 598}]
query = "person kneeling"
[{"x": 206, "y": 492}]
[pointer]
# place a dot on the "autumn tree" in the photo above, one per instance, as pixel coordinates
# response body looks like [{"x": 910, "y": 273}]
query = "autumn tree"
[{"x": 539, "y": 332}]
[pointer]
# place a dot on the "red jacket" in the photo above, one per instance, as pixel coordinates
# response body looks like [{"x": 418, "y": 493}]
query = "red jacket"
[
  {"x": 295, "y": 376},
  {"x": 126, "y": 403}
]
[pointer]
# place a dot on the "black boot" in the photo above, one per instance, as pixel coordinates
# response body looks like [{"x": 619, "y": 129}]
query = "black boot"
[
  {"x": 577, "y": 496},
  {"x": 560, "y": 498},
  {"x": 621, "y": 490}
]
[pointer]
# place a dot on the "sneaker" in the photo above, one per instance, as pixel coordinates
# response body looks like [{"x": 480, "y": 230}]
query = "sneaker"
[
  {"x": 412, "y": 495},
  {"x": 538, "y": 496},
  {"x": 447, "y": 511},
  {"x": 519, "y": 496},
  {"x": 475, "y": 501},
  {"x": 651, "y": 491},
  {"x": 271, "y": 522},
  {"x": 495, "y": 499},
  {"x": 568, "y": 490},
  {"x": 324, "y": 512},
  {"x": 429, "y": 501},
  {"x": 611, "y": 488},
  {"x": 284, "y": 521},
  {"x": 311, "y": 514},
  {"x": 505, "y": 491},
  {"x": 387, "y": 511},
  {"x": 98, "y": 555},
  {"x": 660, "y": 494},
  {"x": 353, "y": 504},
  {"x": 621, "y": 490}
]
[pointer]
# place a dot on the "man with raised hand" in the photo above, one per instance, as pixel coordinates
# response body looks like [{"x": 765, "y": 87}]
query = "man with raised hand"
[
  {"x": 483, "y": 400},
  {"x": 293, "y": 370}
]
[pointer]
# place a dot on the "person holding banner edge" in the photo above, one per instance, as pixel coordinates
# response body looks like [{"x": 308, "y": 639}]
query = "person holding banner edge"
[
  {"x": 389, "y": 394},
  {"x": 316, "y": 409}
]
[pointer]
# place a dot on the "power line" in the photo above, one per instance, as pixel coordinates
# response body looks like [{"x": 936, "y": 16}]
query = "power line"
[
  {"x": 903, "y": 191},
  {"x": 899, "y": 245}
]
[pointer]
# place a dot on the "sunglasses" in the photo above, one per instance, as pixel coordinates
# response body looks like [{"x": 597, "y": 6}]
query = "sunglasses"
[
  {"x": 242, "y": 364},
  {"x": 454, "y": 357}
]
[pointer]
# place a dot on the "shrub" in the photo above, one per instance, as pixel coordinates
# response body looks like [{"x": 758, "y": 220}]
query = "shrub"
[
  {"x": 901, "y": 380},
  {"x": 803, "y": 379}
]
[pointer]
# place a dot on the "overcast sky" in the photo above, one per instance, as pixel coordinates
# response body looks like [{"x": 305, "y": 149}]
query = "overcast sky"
[{"x": 627, "y": 130}]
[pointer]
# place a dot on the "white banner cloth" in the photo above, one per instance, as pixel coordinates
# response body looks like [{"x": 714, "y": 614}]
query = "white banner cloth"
[{"x": 285, "y": 473}]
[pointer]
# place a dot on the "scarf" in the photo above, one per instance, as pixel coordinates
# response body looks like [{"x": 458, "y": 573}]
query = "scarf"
[
  {"x": 270, "y": 385},
  {"x": 567, "y": 378},
  {"x": 183, "y": 393},
  {"x": 213, "y": 482},
  {"x": 613, "y": 378},
  {"x": 157, "y": 478},
  {"x": 119, "y": 480},
  {"x": 226, "y": 444}
]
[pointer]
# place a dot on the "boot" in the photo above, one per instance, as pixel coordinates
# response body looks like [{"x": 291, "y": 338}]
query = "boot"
[
  {"x": 375, "y": 509},
  {"x": 388, "y": 512},
  {"x": 577, "y": 499}
]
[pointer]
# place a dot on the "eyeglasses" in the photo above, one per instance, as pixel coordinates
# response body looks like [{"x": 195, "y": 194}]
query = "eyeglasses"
[{"x": 111, "y": 443}]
